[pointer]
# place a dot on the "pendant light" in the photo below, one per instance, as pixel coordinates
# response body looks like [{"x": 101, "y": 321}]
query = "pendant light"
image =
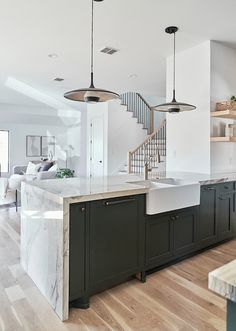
[
  {"x": 173, "y": 106},
  {"x": 91, "y": 94}
]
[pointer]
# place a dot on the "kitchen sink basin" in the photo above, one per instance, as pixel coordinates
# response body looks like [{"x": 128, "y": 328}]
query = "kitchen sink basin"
[
  {"x": 170, "y": 194},
  {"x": 152, "y": 184},
  {"x": 170, "y": 181}
]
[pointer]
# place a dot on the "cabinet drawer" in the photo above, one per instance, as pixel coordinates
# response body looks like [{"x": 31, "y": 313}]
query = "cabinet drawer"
[
  {"x": 226, "y": 187},
  {"x": 208, "y": 188}
]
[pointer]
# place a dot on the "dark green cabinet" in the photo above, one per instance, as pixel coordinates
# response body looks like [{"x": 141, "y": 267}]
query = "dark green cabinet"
[
  {"x": 106, "y": 245},
  {"x": 170, "y": 235},
  {"x": 77, "y": 250},
  {"x": 185, "y": 231},
  {"x": 112, "y": 240},
  {"x": 207, "y": 216},
  {"x": 116, "y": 239},
  {"x": 159, "y": 240},
  {"x": 217, "y": 213},
  {"x": 225, "y": 216}
]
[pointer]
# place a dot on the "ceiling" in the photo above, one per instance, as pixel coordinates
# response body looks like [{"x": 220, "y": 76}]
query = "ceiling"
[{"x": 32, "y": 29}]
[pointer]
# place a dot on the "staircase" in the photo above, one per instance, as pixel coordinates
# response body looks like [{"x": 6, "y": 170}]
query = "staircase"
[
  {"x": 140, "y": 108},
  {"x": 153, "y": 149}
]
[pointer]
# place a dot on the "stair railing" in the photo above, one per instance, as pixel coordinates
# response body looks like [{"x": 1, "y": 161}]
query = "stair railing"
[
  {"x": 154, "y": 146},
  {"x": 140, "y": 108}
]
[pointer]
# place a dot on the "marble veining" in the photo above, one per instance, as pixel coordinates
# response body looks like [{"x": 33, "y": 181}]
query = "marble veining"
[
  {"x": 223, "y": 281},
  {"x": 43, "y": 254}
]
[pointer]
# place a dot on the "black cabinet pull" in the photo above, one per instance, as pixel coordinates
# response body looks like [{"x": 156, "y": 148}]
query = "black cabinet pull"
[
  {"x": 210, "y": 189},
  {"x": 174, "y": 218},
  {"x": 110, "y": 203}
]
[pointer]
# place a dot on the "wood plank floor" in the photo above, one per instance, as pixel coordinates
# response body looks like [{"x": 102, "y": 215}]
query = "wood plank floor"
[{"x": 175, "y": 298}]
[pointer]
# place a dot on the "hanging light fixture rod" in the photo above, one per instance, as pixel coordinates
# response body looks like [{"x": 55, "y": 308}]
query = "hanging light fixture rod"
[
  {"x": 91, "y": 94},
  {"x": 174, "y": 106},
  {"x": 92, "y": 44},
  {"x": 173, "y": 30}
]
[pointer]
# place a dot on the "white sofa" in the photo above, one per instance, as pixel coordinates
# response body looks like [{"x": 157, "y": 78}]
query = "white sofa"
[
  {"x": 21, "y": 170},
  {"x": 13, "y": 183}
]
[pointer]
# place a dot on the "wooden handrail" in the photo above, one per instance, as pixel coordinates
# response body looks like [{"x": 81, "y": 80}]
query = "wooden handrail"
[{"x": 148, "y": 138}]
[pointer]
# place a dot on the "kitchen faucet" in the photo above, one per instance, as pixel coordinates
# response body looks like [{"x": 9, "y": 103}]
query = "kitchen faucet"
[{"x": 148, "y": 159}]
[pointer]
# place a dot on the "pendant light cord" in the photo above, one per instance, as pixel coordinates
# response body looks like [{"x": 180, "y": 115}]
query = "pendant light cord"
[
  {"x": 174, "y": 72},
  {"x": 92, "y": 51}
]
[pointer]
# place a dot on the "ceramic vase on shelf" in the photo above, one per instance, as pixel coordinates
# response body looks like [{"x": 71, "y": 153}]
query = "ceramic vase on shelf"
[{"x": 229, "y": 130}]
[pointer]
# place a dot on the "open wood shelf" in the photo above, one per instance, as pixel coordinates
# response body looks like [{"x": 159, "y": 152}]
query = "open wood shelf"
[
  {"x": 223, "y": 139},
  {"x": 231, "y": 114}
]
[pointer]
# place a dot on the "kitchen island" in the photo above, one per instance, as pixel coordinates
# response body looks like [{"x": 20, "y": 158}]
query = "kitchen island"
[
  {"x": 45, "y": 221},
  {"x": 80, "y": 236}
]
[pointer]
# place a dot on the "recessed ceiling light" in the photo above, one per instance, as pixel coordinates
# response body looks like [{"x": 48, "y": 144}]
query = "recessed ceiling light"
[
  {"x": 58, "y": 79},
  {"x": 133, "y": 76},
  {"x": 53, "y": 55}
]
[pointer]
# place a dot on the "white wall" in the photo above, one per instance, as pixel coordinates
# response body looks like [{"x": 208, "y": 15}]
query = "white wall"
[
  {"x": 67, "y": 125},
  {"x": 159, "y": 117},
  {"x": 17, "y": 141},
  {"x": 121, "y": 134},
  {"x": 124, "y": 134},
  {"x": 223, "y": 86},
  {"x": 188, "y": 133}
]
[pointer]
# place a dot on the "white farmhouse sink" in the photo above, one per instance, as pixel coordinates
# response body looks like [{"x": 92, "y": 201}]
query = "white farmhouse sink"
[
  {"x": 170, "y": 181},
  {"x": 170, "y": 194}
]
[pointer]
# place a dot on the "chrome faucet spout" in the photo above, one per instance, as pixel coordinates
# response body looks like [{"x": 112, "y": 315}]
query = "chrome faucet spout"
[{"x": 146, "y": 168}]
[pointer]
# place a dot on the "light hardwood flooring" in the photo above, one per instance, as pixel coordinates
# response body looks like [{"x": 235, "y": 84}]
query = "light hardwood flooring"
[{"x": 175, "y": 298}]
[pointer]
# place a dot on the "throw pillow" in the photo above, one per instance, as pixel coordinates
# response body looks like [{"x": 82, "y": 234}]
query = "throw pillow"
[
  {"x": 54, "y": 168},
  {"x": 31, "y": 169},
  {"x": 45, "y": 166}
]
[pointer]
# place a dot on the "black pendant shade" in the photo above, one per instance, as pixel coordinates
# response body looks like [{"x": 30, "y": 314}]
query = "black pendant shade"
[
  {"x": 173, "y": 106},
  {"x": 91, "y": 94}
]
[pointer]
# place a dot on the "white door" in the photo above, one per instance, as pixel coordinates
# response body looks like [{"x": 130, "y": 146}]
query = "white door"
[{"x": 97, "y": 146}]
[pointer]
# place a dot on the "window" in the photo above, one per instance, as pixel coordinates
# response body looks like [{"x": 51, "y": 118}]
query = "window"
[{"x": 4, "y": 151}]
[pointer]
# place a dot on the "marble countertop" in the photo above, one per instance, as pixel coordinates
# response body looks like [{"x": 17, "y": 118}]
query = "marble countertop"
[
  {"x": 223, "y": 281},
  {"x": 88, "y": 189},
  {"x": 121, "y": 185}
]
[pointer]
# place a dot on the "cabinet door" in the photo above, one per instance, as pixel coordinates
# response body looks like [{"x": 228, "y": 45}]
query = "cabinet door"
[
  {"x": 77, "y": 253},
  {"x": 159, "y": 240},
  {"x": 208, "y": 219},
  {"x": 185, "y": 231},
  {"x": 116, "y": 230},
  {"x": 225, "y": 216}
]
